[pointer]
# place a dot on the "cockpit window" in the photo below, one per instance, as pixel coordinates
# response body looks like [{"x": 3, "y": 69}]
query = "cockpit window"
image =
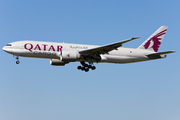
[{"x": 8, "y": 45}]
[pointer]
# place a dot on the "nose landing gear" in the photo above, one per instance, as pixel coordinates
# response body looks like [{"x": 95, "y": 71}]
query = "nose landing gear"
[
  {"x": 17, "y": 62},
  {"x": 17, "y": 58},
  {"x": 85, "y": 67}
]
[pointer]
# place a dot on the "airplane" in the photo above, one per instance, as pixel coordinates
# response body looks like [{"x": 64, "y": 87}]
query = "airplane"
[{"x": 64, "y": 53}]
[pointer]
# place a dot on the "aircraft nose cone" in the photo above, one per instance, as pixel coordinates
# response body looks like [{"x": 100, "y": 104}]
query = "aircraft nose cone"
[{"x": 5, "y": 49}]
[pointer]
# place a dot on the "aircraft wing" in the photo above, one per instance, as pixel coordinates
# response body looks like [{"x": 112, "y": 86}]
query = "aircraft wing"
[{"x": 104, "y": 49}]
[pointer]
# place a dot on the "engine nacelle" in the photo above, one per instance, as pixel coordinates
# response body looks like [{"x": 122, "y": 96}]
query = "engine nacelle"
[
  {"x": 69, "y": 56},
  {"x": 57, "y": 62}
]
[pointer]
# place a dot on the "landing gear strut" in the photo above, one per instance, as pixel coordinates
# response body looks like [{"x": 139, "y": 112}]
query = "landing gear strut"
[
  {"x": 17, "y": 58},
  {"x": 85, "y": 67}
]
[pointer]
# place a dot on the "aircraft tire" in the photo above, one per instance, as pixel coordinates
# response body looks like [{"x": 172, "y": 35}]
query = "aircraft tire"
[
  {"x": 93, "y": 67},
  {"x": 82, "y": 68},
  {"x": 90, "y": 66},
  {"x": 17, "y": 62},
  {"x": 87, "y": 69},
  {"x": 86, "y": 65},
  {"x": 79, "y": 67}
]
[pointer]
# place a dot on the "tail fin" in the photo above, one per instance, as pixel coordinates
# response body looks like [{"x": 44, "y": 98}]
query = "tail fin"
[{"x": 154, "y": 41}]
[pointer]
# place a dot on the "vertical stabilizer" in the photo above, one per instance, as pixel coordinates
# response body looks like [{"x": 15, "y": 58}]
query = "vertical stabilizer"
[{"x": 154, "y": 41}]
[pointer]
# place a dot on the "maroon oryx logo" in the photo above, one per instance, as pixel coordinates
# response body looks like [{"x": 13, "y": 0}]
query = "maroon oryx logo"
[
  {"x": 155, "y": 41},
  {"x": 68, "y": 55}
]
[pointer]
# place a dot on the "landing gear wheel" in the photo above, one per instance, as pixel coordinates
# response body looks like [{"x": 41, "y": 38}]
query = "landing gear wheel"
[
  {"x": 93, "y": 67},
  {"x": 79, "y": 67},
  {"x": 17, "y": 58},
  {"x": 86, "y": 65},
  {"x": 17, "y": 62},
  {"x": 90, "y": 66},
  {"x": 86, "y": 69},
  {"x": 82, "y": 68}
]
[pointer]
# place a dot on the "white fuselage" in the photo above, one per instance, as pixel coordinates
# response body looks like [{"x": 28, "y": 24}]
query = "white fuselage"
[{"x": 52, "y": 50}]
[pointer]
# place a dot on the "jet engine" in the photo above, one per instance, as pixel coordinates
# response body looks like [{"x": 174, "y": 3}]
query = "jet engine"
[
  {"x": 65, "y": 58},
  {"x": 57, "y": 62}
]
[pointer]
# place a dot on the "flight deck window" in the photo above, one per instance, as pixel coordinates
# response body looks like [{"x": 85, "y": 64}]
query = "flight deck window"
[{"x": 8, "y": 45}]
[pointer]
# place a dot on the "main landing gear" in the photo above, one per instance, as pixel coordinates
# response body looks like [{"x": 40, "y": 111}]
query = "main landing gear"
[
  {"x": 17, "y": 58},
  {"x": 85, "y": 67}
]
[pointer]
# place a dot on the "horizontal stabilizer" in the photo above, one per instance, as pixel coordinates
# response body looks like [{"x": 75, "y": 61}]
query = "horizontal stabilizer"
[{"x": 160, "y": 53}]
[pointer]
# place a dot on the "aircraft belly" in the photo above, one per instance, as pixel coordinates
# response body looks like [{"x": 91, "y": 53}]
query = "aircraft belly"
[{"x": 123, "y": 59}]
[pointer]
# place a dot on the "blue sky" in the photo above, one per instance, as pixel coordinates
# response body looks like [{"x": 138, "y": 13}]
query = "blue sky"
[{"x": 36, "y": 90}]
